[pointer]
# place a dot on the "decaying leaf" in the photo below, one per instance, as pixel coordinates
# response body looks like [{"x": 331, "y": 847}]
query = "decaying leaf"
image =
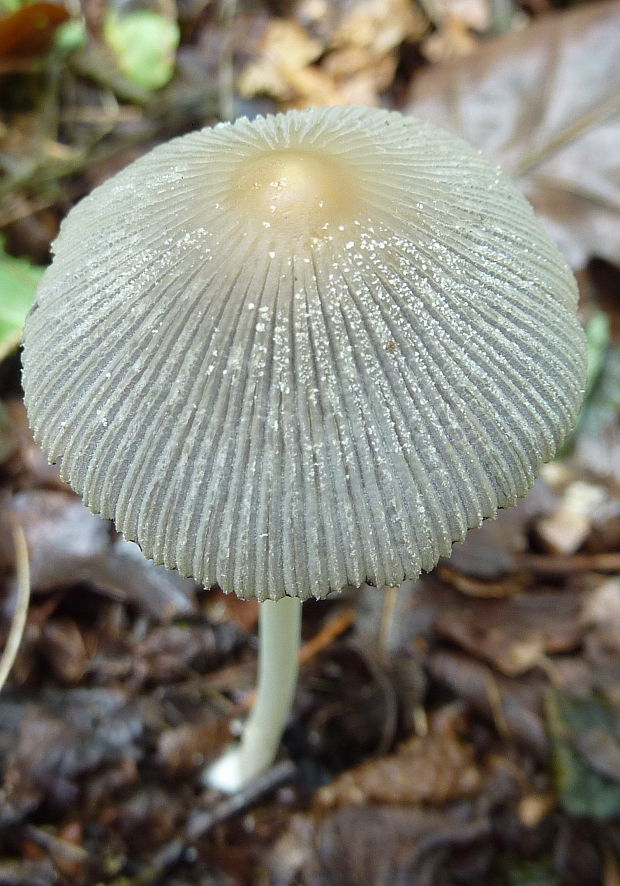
[
  {"x": 513, "y": 706},
  {"x": 18, "y": 282},
  {"x": 586, "y": 750},
  {"x": 281, "y": 71},
  {"x": 432, "y": 769},
  {"x": 515, "y": 634},
  {"x": 170, "y": 652},
  {"x": 545, "y": 102},
  {"x": 68, "y": 544},
  {"x": 370, "y": 845},
  {"x": 186, "y": 747},
  {"x": 62, "y": 644},
  {"x": 356, "y": 43},
  {"x": 30, "y": 29},
  {"x": 55, "y": 741},
  {"x": 598, "y": 442}
]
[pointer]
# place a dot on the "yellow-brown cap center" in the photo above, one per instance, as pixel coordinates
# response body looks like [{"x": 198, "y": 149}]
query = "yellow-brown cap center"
[{"x": 296, "y": 192}]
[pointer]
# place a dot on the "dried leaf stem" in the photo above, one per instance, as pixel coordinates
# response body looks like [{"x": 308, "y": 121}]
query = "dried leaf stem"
[{"x": 21, "y": 608}]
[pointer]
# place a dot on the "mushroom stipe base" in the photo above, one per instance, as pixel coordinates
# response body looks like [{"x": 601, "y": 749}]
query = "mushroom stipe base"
[{"x": 279, "y": 644}]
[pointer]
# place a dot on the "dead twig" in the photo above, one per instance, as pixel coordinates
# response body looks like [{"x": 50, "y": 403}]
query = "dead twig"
[
  {"x": 559, "y": 564},
  {"x": 328, "y": 633},
  {"x": 21, "y": 606},
  {"x": 202, "y": 822}
]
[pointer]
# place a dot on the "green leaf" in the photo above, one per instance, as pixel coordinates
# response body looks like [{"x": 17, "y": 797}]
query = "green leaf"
[
  {"x": 144, "y": 43},
  {"x": 9, "y": 6},
  {"x": 599, "y": 350},
  {"x": 71, "y": 36},
  {"x": 531, "y": 873},
  {"x": 18, "y": 283},
  {"x": 577, "y": 726},
  {"x": 597, "y": 337},
  {"x": 602, "y": 406}
]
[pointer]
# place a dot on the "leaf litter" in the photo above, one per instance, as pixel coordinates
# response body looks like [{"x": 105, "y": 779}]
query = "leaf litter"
[{"x": 468, "y": 732}]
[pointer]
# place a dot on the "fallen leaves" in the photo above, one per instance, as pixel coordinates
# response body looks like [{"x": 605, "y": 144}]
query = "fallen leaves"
[
  {"x": 18, "y": 282},
  {"x": 62, "y": 738},
  {"x": 144, "y": 43},
  {"x": 431, "y": 752},
  {"x": 373, "y": 846},
  {"x": 515, "y": 634},
  {"x": 545, "y": 103},
  {"x": 356, "y": 43},
  {"x": 433, "y": 769},
  {"x": 68, "y": 544},
  {"x": 287, "y": 51},
  {"x": 29, "y": 31},
  {"x": 586, "y": 753}
]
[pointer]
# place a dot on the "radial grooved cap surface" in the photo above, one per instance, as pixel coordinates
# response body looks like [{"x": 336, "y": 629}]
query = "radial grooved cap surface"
[{"x": 297, "y": 353}]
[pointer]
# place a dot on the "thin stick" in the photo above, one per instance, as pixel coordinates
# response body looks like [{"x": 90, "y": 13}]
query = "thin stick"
[
  {"x": 566, "y": 564},
  {"x": 328, "y": 633},
  {"x": 227, "y": 12},
  {"x": 21, "y": 606}
]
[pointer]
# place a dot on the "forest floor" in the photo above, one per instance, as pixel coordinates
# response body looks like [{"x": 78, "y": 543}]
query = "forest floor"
[{"x": 464, "y": 729}]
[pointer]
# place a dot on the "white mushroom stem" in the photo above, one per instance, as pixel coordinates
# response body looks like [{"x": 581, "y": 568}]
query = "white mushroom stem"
[{"x": 279, "y": 642}]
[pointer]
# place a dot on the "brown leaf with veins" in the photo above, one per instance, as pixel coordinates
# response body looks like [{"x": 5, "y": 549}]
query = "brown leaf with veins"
[
  {"x": 30, "y": 30},
  {"x": 545, "y": 103},
  {"x": 430, "y": 769},
  {"x": 67, "y": 545},
  {"x": 370, "y": 845},
  {"x": 515, "y": 634},
  {"x": 332, "y": 53}
]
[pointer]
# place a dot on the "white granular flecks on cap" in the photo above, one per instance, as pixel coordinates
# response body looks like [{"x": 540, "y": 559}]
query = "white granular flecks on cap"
[{"x": 302, "y": 352}]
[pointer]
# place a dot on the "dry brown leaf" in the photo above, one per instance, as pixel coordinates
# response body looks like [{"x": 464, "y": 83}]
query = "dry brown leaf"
[
  {"x": 545, "y": 102},
  {"x": 67, "y": 544},
  {"x": 358, "y": 77},
  {"x": 287, "y": 50},
  {"x": 378, "y": 25},
  {"x": 475, "y": 14},
  {"x": 565, "y": 530},
  {"x": 358, "y": 40},
  {"x": 375, "y": 846},
  {"x": 513, "y": 706},
  {"x": 30, "y": 30},
  {"x": 433, "y": 769},
  {"x": 62, "y": 644},
  {"x": 515, "y": 633},
  {"x": 452, "y": 40}
]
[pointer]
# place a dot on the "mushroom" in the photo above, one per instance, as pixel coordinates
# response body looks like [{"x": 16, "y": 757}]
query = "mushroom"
[{"x": 299, "y": 353}]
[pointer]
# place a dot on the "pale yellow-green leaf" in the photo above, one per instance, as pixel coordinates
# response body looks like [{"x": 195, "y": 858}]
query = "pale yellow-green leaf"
[
  {"x": 144, "y": 43},
  {"x": 18, "y": 283}
]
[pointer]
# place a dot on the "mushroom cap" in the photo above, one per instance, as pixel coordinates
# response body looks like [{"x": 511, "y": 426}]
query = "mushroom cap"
[{"x": 302, "y": 352}]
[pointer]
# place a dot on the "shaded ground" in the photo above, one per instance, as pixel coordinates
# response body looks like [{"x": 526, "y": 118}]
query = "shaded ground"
[{"x": 464, "y": 730}]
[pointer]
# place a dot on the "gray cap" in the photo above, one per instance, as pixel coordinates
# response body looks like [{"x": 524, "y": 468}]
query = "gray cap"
[{"x": 305, "y": 351}]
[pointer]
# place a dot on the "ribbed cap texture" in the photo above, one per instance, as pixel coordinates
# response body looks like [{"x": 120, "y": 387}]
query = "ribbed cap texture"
[{"x": 302, "y": 352}]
